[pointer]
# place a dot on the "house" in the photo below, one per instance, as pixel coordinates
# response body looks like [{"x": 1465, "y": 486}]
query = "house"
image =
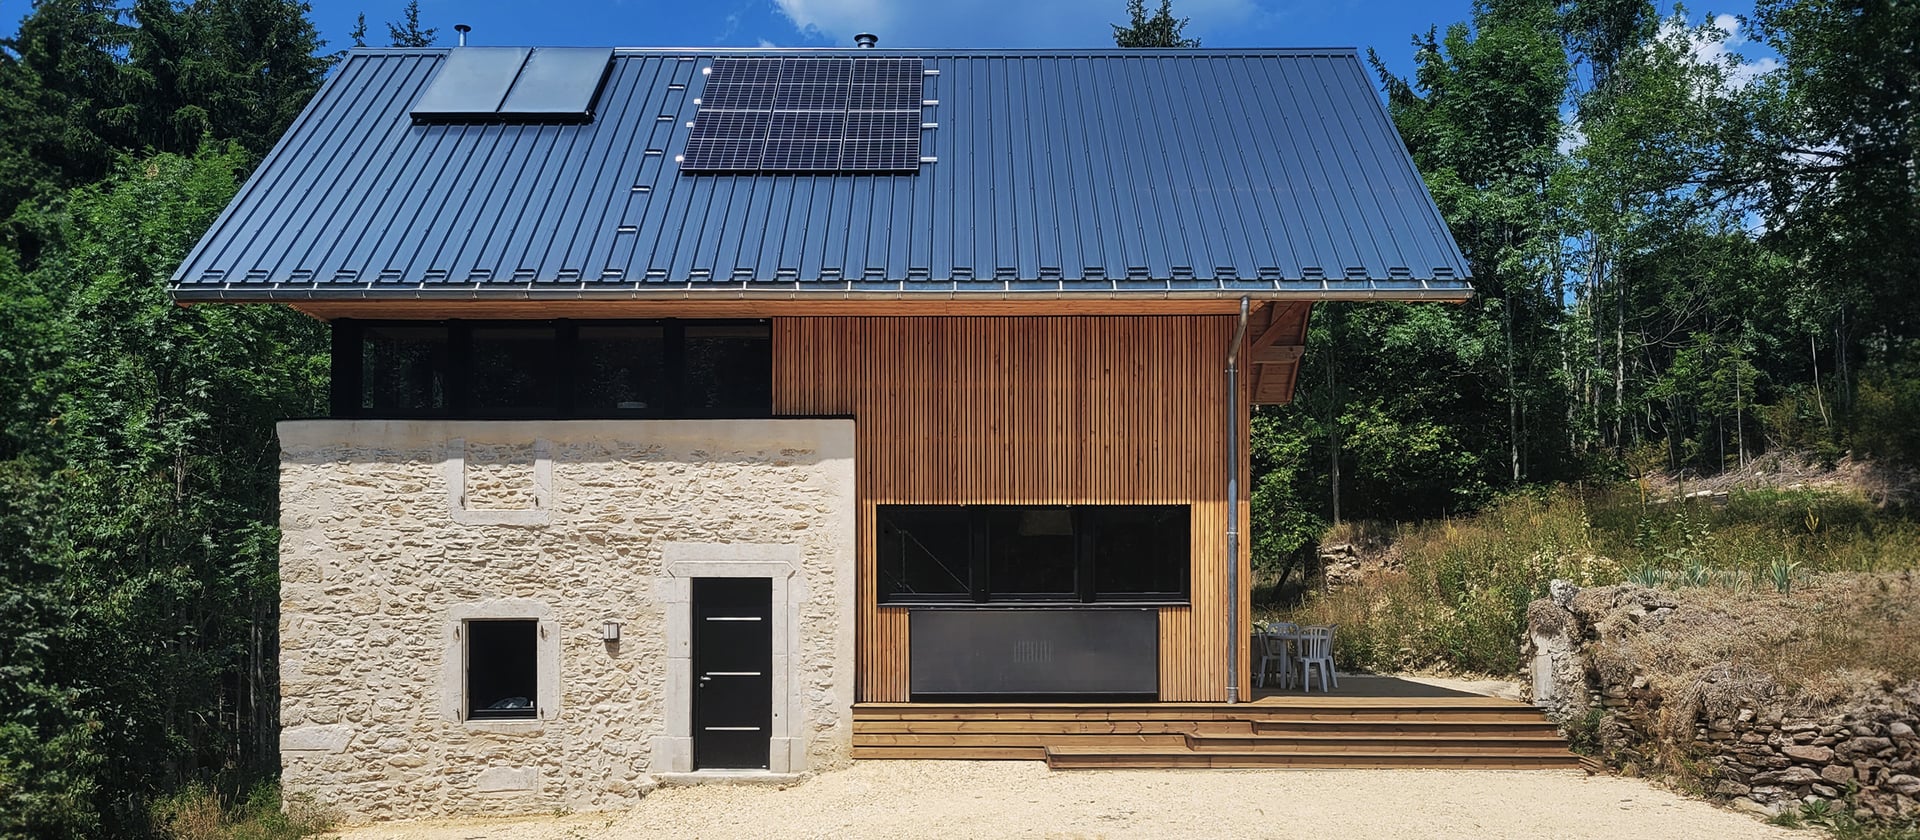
[{"x": 685, "y": 399}]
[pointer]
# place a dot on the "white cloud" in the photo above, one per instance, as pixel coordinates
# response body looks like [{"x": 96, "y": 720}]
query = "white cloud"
[
  {"x": 994, "y": 23},
  {"x": 1572, "y": 139},
  {"x": 1718, "y": 44},
  {"x": 766, "y": 44}
]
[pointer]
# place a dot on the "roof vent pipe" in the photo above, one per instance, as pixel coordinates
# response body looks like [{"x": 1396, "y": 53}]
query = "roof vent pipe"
[
  {"x": 463, "y": 29},
  {"x": 866, "y": 40}
]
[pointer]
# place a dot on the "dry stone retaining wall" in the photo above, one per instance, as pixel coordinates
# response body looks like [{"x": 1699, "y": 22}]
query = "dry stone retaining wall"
[
  {"x": 394, "y": 532},
  {"x": 1760, "y": 751}
]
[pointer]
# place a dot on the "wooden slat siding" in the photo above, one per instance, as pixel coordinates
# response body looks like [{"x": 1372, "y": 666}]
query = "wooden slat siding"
[{"x": 1031, "y": 410}]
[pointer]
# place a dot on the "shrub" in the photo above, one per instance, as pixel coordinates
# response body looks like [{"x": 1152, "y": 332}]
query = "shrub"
[{"x": 199, "y": 813}]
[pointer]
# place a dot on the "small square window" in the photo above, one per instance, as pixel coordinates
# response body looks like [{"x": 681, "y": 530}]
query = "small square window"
[{"x": 503, "y": 669}]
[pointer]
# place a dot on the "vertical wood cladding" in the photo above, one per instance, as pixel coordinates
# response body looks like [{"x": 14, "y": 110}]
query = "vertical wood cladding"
[{"x": 1029, "y": 410}]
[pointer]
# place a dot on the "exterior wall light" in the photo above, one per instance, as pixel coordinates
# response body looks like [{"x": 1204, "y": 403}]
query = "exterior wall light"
[{"x": 610, "y": 631}]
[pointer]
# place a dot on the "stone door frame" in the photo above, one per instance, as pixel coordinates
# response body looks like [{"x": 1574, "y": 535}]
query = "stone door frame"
[{"x": 779, "y": 563}]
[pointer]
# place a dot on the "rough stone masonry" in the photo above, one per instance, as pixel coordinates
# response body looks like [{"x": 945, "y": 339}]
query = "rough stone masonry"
[
  {"x": 396, "y": 532},
  {"x": 1760, "y": 753}
]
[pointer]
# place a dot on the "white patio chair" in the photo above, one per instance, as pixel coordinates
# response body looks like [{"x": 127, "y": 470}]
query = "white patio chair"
[
  {"x": 1273, "y": 637},
  {"x": 1316, "y": 650}
]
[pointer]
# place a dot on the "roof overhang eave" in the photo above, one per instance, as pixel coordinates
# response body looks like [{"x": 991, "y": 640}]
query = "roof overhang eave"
[{"x": 1448, "y": 294}]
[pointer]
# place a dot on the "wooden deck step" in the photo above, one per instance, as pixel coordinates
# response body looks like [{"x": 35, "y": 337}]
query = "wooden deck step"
[
  {"x": 1026, "y": 739},
  {"x": 1052, "y": 727},
  {"x": 1285, "y": 731},
  {"x": 1535, "y": 726},
  {"x": 1117, "y": 758},
  {"x": 1373, "y": 744}
]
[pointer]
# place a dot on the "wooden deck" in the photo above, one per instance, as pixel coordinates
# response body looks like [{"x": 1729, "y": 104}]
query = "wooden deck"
[{"x": 1278, "y": 731}]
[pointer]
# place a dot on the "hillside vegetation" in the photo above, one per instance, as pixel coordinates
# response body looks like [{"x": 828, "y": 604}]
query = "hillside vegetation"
[{"x": 1453, "y": 594}]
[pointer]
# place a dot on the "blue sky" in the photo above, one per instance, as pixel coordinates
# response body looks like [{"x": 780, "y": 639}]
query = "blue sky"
[{"x": 1385, "y": 25}]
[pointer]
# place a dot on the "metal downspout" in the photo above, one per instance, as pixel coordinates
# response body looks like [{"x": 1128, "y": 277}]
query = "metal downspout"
[{"x": 1233, "y": 505}]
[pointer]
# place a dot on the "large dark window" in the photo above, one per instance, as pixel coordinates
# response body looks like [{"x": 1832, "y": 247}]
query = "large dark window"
[
  {"x": 726, "y": 370},
  {"x": 623, "y": 371},
  {"x": 514, "y": 370},
  {"x": 503, "y": 657},
  {"x": 557, "y": 369},
  {"x": 1033, "y": 553},
  {"x": 403, "y": 370},
  {"x": 925, "y": 552}
]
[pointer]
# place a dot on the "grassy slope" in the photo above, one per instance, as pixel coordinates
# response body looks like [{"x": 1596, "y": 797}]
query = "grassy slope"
[{"x": 1453, "y": 595}]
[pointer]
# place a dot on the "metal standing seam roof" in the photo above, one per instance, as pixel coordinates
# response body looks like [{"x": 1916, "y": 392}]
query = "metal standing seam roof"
[{"x": 1271, "y": 173}]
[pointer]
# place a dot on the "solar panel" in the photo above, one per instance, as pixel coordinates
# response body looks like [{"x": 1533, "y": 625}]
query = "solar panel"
[
  {"x": 559, "y": 82},
  {"x": 808, "y": 115},
  {"x": 471, "y": 83},
  {"x": 515, "y": 84}
]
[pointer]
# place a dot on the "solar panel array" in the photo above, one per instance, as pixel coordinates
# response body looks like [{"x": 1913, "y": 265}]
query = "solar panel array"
[
  {"x": 808, "y": 115},
  {"x": 515, "y": 84}
]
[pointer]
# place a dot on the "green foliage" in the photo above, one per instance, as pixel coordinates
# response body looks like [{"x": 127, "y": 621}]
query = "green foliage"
[
  {"x": 142, "y": 467},
  {"x": 1842, "y": 823},
  {"x": 1884, "y": 412},
  {"x": 90, "y": 79},
  {"x": 1290, "y": 524},
  {"x": 1160, "y": 29},
  {"x": 1604, "y": 180}
]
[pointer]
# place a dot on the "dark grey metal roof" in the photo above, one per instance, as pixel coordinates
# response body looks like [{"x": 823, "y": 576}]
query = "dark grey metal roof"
[{"x": 1274, "y": 173}]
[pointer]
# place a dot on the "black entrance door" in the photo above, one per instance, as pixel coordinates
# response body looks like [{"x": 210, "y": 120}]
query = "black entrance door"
[{"x": 732, "y": 668}]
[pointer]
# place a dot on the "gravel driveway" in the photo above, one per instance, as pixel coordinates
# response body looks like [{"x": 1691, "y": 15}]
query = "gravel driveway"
[{"x": 985, "y": 799}]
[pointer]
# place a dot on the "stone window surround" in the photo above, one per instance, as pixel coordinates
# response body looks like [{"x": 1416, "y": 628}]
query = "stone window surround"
[
  {"x": 453, "y": 663},
  {"x": 455, "y": 468},
  {"x": 778, "y": 562}
]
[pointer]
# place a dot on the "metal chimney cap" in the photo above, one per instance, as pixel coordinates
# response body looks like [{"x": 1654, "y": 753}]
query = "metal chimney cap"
[
  {"x": 866, "y": 40},
  {"x": 463, "y": 29}
]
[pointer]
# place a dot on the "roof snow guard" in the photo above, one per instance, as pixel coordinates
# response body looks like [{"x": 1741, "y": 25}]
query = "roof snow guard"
[{"x": 491, "y": 172}]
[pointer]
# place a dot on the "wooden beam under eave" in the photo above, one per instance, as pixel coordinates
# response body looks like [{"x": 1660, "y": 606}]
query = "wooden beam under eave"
[{"x": 1279, "y": 354}]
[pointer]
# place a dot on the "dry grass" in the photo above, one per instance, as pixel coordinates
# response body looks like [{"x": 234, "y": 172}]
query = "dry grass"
[
  {"x": 199, "y": 813},
  {"x": 1456, "y": 594},
  {"x": 1835, "y": 642}
]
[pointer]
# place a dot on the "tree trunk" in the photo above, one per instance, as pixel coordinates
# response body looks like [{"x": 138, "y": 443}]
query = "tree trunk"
[
  {"x": 1513, "y": 401},
  {"x": 1819, "y": 399}
]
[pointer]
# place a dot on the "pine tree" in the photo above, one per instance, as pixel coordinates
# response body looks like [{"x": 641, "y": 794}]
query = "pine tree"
[
  {"x": 1161, "y": 29},
  {"x": 407, "y": 33}
]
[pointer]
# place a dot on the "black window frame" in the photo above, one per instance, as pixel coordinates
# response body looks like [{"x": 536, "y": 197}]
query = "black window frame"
[
  {"x": 980, "y": 589},
  {"x": 348, "y": 372},
  {"x": 469, "y": 702}
]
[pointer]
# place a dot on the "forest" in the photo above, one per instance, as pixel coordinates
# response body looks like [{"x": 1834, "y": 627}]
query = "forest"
[{"x": 1683, "y": 260}]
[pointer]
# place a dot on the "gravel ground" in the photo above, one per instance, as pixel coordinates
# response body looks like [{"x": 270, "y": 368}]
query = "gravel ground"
[{"x": 984, "y": 799}]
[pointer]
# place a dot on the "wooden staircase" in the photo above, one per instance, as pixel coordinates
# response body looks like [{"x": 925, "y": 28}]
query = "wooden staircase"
[{"x": 1278, "y": 732}]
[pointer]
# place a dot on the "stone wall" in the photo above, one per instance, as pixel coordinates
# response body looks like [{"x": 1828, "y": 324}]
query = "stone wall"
[
  {"x": 395, "y": 532},
  {"x": 1736, "y": 734}
]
